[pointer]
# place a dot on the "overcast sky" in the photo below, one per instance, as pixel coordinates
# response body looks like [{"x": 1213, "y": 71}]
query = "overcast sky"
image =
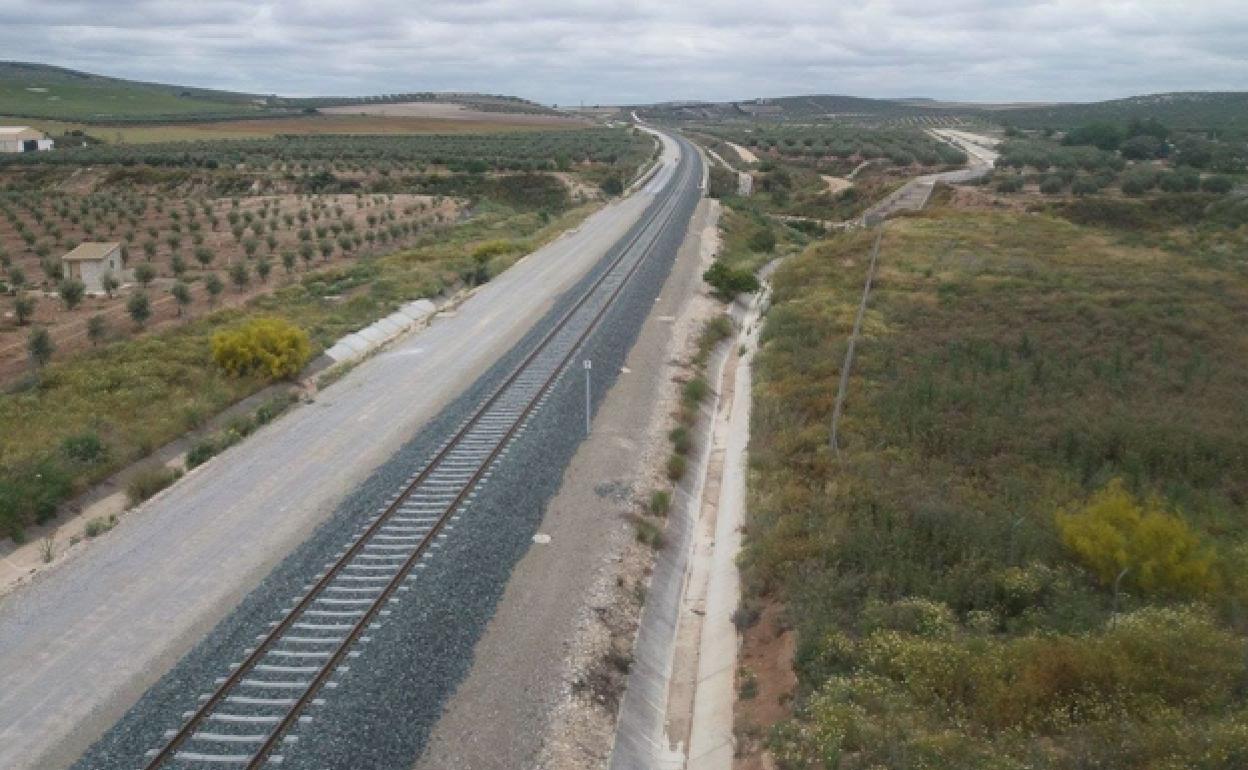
[{"x": 569, "y": 51}]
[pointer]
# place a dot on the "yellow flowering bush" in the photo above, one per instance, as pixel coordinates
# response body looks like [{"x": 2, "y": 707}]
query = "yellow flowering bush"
[
  {"x": 1158, "y": 550},
  {"x": 269, "y": 347}
]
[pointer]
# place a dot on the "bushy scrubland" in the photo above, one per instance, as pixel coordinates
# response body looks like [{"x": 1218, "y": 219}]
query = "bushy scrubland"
[{"x": 1031, "y": 550}]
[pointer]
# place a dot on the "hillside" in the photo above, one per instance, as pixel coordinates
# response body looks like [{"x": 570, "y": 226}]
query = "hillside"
[
  {"x": 43, "y": 91},
  {"x": 785, "y": 108},
  {"x": 1226, "y": 111},
  {"x": 56, "y": 93},
  {"x": 1203, "y": 110}
]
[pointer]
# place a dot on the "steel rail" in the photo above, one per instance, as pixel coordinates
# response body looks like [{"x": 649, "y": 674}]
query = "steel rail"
[{"x": 664, "y": 210}]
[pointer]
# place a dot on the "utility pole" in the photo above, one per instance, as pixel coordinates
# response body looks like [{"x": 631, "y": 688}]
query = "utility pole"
[
  {"x": 853, "y": 340},
  {"x": 588, "y": 402}
]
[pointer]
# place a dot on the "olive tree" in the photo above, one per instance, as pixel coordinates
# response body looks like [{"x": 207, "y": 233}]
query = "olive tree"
[
  {"x": 72, "y": 291},
  {"x": 140, "y": 309}
]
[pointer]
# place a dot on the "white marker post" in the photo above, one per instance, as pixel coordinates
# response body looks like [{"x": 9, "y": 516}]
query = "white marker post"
[{"x": 588, "y": 402}]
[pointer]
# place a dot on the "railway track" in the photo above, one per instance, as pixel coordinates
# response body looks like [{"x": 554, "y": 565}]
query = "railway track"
[{"x": 260, "y": 704}]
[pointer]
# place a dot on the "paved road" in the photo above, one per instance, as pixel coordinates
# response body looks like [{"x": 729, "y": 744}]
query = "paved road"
[{"x": 78, "y": 647}]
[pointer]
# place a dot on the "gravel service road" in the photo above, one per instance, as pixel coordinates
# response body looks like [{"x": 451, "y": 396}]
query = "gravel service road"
[{"x": 82, "y": 644}]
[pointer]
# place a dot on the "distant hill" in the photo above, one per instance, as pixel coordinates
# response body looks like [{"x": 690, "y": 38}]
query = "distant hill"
[
  {"x": 786, "y": 108},
  {"x": 1187, "y": 110},
  {"x": 56, "y": 93},
  {"x": 44, "y": 91},
  {"x": 1227, "y": 110}
]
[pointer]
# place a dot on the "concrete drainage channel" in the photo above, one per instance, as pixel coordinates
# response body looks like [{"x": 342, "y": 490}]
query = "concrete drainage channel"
[{"x": 686, "y": 636}]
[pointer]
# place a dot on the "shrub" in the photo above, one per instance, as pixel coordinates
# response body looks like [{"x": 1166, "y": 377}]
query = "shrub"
[
  {"x": 922, "y": 617},
  {"x": 139, "y": 308},
  {"x": 746, "y": 615},
  {"x": 270, "y": 347},
  {"x": 201, "y": 453},
  {"x": 714, "y": 332},
  {"x": 97, "y": 329},
  {"x": 682, "y": 442},
  {"x": 1114, "y": 532},
  {"x": 72, "y": 291},
  {"x": 1052, "y": 185},
  {"x": 1084, "y": 186},
  {"x": 696, "y": 390},
  {"x": 148, "y": 481},
  {"x": 99, "y": 525},
  {"x": 728, "y": 282},
  {"x": 39, "y": 346},
  {"x": 762, "y": 240},
  {"x": 23, "y": 308},
  {"x": 660, "y": 502},
  {"x": 32, "y": 493},
  {"x": 676, "y": 467},
  {"x": 1182, "y": 180},
  {"x": 144, "y": 274},
  {"x": 1139, "y": 181},
  {"x": 495, "y": 248},
  {"x": 1100, "y": 134},
  {"x": 1142, "y": 147},
  {"x": 271, "y": 409},
  {"x": 1010, "y": 184},
  {"x": 613, "y": 185},
  {"x": 83, "y": 447},
  {"x": 1217, "y": 184},
  {"x": 649, "y": 533},
  {"x": 723, "y": 183}
]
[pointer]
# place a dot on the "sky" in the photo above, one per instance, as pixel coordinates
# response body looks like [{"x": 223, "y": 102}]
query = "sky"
[{"x": 612, "y": 52}]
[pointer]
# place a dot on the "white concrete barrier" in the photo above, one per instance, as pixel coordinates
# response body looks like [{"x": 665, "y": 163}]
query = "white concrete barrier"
[{"x": 359, "y": 343}]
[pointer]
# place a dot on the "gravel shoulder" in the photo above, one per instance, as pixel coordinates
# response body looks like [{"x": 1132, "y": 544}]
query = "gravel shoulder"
[{"x": 81, "y": 644}]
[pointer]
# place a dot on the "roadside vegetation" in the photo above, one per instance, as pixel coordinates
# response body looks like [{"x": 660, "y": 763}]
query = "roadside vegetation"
[
  {"x": 693, "y": 392},
  {"x": 1030, "y": 551}
]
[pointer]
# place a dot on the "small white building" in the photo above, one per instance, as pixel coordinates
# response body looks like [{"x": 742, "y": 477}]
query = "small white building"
[
  {"x": 23, "y": 139},
  {"x": 90, "y": 261}
]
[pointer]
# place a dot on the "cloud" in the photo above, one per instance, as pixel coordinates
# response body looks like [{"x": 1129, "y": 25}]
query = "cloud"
[{"x": 613, "y": 51}]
